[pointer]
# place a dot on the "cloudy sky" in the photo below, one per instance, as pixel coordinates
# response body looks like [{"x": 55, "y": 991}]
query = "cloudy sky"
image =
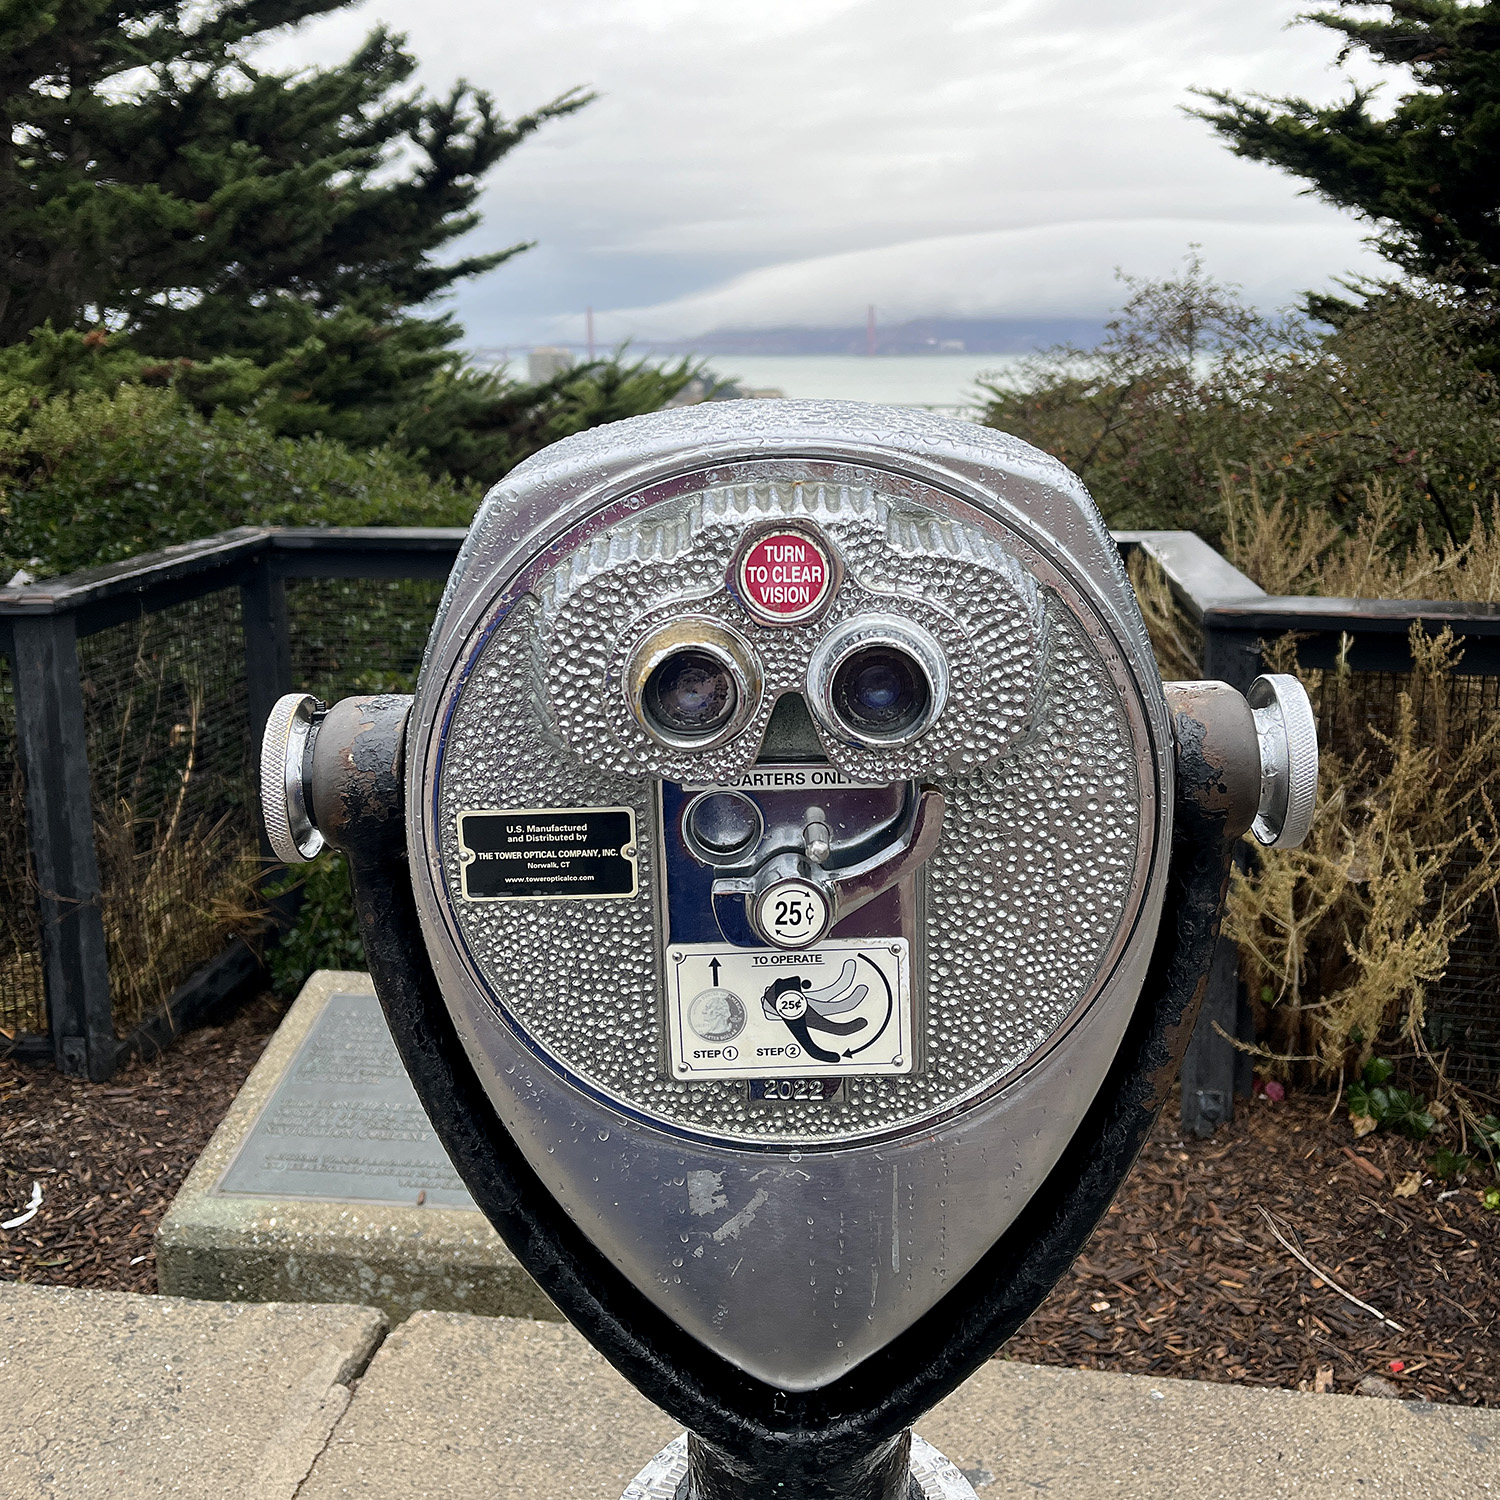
[{"x": 778, "y": 162}]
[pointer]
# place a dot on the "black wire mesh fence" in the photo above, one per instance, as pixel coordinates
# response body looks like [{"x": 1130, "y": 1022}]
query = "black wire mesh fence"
[
  {"x": 23, "y": 1003},
  {"x": 1357, "y": 696},
  {"x": 1358, "y": 714},
  {"x": 174, "y": 821},
  {"x": 146, "y": 684},
  {"x": 131, "y": 700},
  {"x": 359, "y": 635}
]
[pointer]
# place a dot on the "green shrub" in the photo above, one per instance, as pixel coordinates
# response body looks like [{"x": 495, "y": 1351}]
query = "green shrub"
[
  {"x": 458, "y": 422},
  {"x": 1375, "y": 1098},
  {"x": 325, "y": 934},
  {"x": 1191, "y": 388},
  {"x": 94, "y": 477},
  {"x": 479, "y": 424},
  {"x": 1446, "y": 1163}
]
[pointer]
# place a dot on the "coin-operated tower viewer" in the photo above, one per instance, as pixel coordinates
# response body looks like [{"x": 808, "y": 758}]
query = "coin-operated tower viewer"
[{"x": 790, "y": 891}]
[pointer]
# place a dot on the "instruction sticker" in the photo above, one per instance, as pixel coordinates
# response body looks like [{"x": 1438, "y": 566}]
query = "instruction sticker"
[
  {"x": 842, "y": 1009},
  {"x": 547, "y": 854},
  {"x": 784, "y": 577}
]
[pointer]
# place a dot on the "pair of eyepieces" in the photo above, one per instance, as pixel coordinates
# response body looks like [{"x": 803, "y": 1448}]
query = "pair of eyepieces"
[{"x": 875, "y": 681}]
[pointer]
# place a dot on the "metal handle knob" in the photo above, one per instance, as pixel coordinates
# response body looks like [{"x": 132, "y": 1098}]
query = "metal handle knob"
[
  {"x": 814, "y": 897},
  {"x": 1288, "y": 735},
  {"x": 285, "y": 753}
]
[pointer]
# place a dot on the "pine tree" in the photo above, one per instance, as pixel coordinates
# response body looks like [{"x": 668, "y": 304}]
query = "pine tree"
[
  {"x": 155, "y": 183},
  {"x": 1427, "y": 173}
]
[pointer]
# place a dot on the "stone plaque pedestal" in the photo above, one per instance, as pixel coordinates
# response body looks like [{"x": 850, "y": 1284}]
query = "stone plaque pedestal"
[{"x": 324, "y": 1183}]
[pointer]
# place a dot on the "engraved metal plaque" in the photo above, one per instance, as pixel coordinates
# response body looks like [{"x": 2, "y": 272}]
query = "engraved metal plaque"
[
  {"x": 548, "y": 854},
  {"x": 344, "y": 1124}
]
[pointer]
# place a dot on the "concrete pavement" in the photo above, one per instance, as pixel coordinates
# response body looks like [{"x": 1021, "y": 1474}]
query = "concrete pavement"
[
  {"x": 112, "y": 1395},
  {"x": 499, "y": 1408},
  {"x": 107, "y": 1394}
]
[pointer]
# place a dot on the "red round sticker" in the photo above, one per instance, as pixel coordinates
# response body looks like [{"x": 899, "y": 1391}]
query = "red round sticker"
[{"x": 785, "y": 577}]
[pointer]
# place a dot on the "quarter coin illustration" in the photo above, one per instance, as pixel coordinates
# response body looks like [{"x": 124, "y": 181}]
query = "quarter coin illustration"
[{"x": 716, "y": 1015}]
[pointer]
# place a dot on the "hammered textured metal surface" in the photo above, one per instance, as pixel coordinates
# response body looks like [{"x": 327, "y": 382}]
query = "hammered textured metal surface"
[
  {"x": 847, "y": 1231},
  {"x": 1027, "y": 893},
  {"x": 959, "y": 584},
  {"x": 623, "y": 455}
]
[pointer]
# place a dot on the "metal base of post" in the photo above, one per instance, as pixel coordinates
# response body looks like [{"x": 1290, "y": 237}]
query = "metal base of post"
[{"x": 933, "y": 1476}]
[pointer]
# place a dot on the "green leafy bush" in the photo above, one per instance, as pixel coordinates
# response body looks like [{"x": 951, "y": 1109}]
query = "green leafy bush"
[
  {"x": 1446, "y": 1164},
  {"x": 94, "y": 477},
  {"x": 479, "y": 424},
  {"x": 325, "y": 934},
  {"x": 105, "y": 454},
  {"x": 1191, "y": 390},
  {"x": 1373, "y": 1097}
]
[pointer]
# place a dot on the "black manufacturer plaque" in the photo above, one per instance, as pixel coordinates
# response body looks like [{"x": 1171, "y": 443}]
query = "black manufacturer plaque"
[{"x": 547, "y": 854}]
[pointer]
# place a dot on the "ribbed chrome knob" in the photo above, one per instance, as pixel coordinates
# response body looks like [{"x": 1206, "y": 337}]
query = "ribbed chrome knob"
[
  {"x": 284, "y": 802},
  {"x": 1288, "y": 735}
]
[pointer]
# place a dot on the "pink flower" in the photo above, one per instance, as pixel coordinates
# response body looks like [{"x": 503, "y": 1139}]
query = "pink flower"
[{"x": 1275, "y": 1091}]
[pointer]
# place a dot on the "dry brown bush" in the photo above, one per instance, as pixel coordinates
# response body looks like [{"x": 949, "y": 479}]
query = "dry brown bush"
[
  {"x": 1176, "y": 640},
  {"x": 178, "y": 871},
  {"x": 1343, "y": 940},
  {"x": 1289, "y": 549}
]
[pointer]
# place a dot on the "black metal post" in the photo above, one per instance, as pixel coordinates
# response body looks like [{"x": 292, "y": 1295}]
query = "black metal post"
[
  {"x": 866, "y": 1469},
  {"x": 268, "y": 674},
  {"x": 849, "y": 1438},
  {"x": 52, "y": 742},
  {"x": 1213, "y": 1068},
  {"x": 268, "y": 642}
]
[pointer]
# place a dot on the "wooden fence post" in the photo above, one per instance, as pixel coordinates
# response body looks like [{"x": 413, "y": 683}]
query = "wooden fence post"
[{"x": 52, "y": 741}]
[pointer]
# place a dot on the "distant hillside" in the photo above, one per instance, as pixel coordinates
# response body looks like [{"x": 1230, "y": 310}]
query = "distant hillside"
[{"x": 920, "y": 336}]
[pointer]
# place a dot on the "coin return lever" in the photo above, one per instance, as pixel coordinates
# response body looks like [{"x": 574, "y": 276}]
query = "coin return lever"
[{"x": 802, "y": 883}]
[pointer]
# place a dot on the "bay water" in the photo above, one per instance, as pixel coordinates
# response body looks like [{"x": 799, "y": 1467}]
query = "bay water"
[{"x": 945, "y": 381}]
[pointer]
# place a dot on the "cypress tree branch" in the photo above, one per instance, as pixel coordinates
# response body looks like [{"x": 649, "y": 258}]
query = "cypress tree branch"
[{"x": 1425, "y": 175}]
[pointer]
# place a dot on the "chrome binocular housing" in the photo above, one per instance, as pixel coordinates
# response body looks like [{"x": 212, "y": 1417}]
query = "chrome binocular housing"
[{"x": 789, "y": 889}]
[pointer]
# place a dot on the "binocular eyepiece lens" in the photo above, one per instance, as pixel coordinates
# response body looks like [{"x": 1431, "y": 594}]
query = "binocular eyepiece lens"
[
  {"x": 880, "y": 690},
  {"x": 690, "y": 693},
  {"x": 692, "y": 683},
  {"x": 878, "y": 681}
]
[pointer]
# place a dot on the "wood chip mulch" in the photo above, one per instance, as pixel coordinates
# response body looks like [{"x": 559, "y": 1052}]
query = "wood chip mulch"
[
  {"x": 1184, "y": 1277},
  {"x": 109, "y": 1157}
]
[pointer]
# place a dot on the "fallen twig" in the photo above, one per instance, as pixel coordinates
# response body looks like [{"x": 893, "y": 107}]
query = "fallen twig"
[
  {"x": 1322, "y": 1275},
  {"x": 1364, "y": 1164}
]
